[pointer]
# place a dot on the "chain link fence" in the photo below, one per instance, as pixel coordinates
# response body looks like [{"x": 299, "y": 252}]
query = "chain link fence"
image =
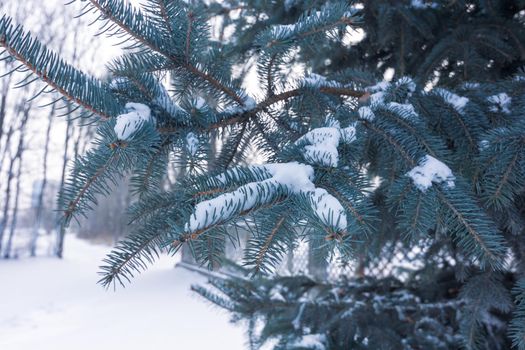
[{"x": 393, "y": 259}]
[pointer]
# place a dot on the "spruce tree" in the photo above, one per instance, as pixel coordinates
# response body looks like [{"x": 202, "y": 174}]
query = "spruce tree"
[{"x": 360, "y": 168}]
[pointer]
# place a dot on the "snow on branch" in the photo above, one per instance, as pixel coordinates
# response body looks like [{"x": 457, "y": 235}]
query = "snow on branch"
[
  {"x": 248, "y": 103},
  {"x": 192, "y": 143},
  {"x": 127, "y": 124},
  {"x": 430, "y": 170},
  {"x": 500, "y": 103},
  {"x": 423, "y": 5},
  {"x": 327, "y": 209},
  {"x": 317, "y": 80},
  {"x": 282, "y": 179},
  {"x": 311, "y": 341},
  {"x": 377, "y": 92},
  {"x": 164, "y": 100},
  {"x": 314, "y": 22},
  {"x": 380, "y": 99},
  {"x": 403, "y": 109},
  {"x": 366, "y": 113},
  {"x": 456, "y": 101},
  {"x": 320, "y": 144},
  {"x": 155, "y": 91}
]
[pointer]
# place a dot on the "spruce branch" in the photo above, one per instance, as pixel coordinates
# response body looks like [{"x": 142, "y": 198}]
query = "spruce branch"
[
  {"x": 73, "y": 204},
  {"x": 413, "y": 130},
  {"x": 153, "y": 203},
  {"x": 263, "y": 251},
  {"x": 102, "y": 166},
  {"x": 132, "y": 255},
  {"x": 501, "y": 159},
  {"x": 348, "y": 204},
  {"x": 517, "y": 324},
  {"x": 482, "y": 294},
  {"x": 229, "y": 152},
  {"x": 457, "y": 116},
  {"x": 190, "y": 17},
  {"x": 406, "y": 157},
  {"x": 489, "y": 246},
  {"x": 165, "y": 18},
  {"x": 130, "y": 21},
  {"x": 190, "y": 236},
  {"x": 71, "y": 83},
  {"x": 269, "y": 76},
  {"x": 243, "y": 116},
  {"x": 148, "y": 178},
  {"x": 123, "y": 18},
  {"x": 504, "y": 179}
]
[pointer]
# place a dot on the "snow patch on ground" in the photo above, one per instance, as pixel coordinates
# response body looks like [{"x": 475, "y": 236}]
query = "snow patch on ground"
[
  {"x": 430, "y": 170},
  {"x": 51, "y": 304}
]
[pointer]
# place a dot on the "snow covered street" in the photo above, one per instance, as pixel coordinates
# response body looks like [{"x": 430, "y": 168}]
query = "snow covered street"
[{"x": 46, "y": 303}]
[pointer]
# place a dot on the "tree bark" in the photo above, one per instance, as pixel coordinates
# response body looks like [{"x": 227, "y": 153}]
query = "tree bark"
[
  {"x": 9, "y": 245},
  {"x": 39, "y": 206},
  {"x": 61, "y": 230},
  {"x": 7, "y": 200},
  {"x": 3, "y": 104},
  {"x": 11, "y": 175}
]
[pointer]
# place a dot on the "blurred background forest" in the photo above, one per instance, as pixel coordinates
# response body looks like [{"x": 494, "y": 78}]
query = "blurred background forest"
[
  {"x": 50, "y": 303},
  {"x": 40, "y": 140}
]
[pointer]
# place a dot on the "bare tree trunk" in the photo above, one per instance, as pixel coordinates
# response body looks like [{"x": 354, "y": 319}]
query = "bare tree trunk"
[
  {"x": 9, "y": 245},
  {"x": 61, "y": 232},
  {"x": 7, "y": 199},
  {"x": 39, "y": 206},
  {"x": 4, "y": 152},
  {"x": 11, "y": 175},
  {"x": 3, "y": 104},
  {"x": 7, "y": 193}
]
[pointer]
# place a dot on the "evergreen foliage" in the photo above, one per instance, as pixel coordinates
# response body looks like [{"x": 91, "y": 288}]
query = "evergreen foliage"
[
  {"x": 366, "y": 313},
  {"x": 353, "y": 164}
]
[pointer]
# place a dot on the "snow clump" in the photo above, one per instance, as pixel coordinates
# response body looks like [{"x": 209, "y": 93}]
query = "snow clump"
[
  {"x": 431, "y": 170},
  {"x": 127, "y": 124}
]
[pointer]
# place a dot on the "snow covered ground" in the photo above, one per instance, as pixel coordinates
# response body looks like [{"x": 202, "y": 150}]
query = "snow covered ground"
[{"x": 46, "y": 303}]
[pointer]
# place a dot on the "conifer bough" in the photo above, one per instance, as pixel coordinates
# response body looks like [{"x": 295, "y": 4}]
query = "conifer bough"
[{"x": 352, "y": 165}]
